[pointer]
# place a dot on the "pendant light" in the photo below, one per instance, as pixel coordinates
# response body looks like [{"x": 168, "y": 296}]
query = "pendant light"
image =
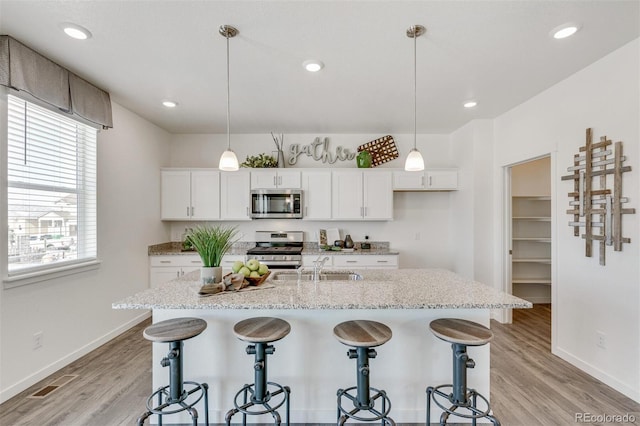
[
  {"x": 414, "y": 162},
  {"x": 228, "y": 160}
]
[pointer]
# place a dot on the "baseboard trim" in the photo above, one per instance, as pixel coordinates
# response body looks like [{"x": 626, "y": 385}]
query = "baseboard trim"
[
  {"x": 43, "y": 373},
  {"x": 598, "y": 374}
]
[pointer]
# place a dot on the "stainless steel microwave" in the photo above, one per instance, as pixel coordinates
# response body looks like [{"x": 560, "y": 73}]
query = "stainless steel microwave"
[{"x": 276, "y": 204}]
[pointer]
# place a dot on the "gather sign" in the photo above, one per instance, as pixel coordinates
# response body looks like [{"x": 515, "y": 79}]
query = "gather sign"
[{"x": 319, "y": 151}]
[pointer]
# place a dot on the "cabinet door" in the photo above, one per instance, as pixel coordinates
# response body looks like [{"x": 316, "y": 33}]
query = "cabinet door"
[
  {"x": 442, "y": 179},
  {"x": 262, "y": 179},
  {"x": 346, "y": 195},
  {"x": 378, "y": 196},
  {"x": 175, "y": 195},
  {"x": 235, "y": 195},
  {"x": 288, "y": 179},
  {"x": 158, "y": 276},
  {"x": 205, "y": 195},
  {"x": 316, "y": 196},
  {"x": 408, "y": 180}
]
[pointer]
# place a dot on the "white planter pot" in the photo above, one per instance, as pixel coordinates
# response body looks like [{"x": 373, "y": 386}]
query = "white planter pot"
[{"x": 211, "y": 275}]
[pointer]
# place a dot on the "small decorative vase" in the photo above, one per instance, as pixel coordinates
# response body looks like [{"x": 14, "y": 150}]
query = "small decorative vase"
[
  {"x": 363, "y": 160},
  {"x": 348, "y": 242},
  {"x": 280, "y": 157},
  {"x": 210, "y": 274}
]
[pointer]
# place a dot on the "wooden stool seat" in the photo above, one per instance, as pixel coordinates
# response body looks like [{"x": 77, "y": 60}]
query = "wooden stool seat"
[
  {"x": 461, "y": 331},
  {"x": 362, "y": 333},
  {"x": 261, "y": 329},
  {"x": 174, "y": 330}
]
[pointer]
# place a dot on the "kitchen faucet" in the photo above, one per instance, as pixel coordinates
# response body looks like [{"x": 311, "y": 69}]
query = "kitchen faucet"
[{"x": 317, "y": 267}]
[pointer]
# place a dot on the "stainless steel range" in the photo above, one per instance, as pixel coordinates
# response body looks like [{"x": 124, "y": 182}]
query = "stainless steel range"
[{"x": 278, "y": 250}]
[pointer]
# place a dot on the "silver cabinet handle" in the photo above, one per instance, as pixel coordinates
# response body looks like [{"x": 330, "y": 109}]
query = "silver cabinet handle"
[
  {"x": 382, "y": 261},
  {"x": 195, "y": 261},
  {"x": 430, "y": 180},
  {"x": 279, "y": 180},
  {"x": 177, "y": 274},
  {"x": 306, "y": 209},
  {"x": 275, "y": 183},
  {"x": 247, "y": 211},
  {"x": 187, "y": 210},
  {"x": 422, "y": 181},
  {"x": 352, "y": 261},
  {"x": 191, "y": 210}
]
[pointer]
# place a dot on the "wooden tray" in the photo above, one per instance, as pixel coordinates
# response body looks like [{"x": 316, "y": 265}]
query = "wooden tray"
[
  {"x": 382, "y": 150},
  {"x": 258, "y": 281}
]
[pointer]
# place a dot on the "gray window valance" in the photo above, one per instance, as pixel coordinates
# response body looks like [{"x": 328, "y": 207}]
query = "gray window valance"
[{"x": 22, "y": 68}]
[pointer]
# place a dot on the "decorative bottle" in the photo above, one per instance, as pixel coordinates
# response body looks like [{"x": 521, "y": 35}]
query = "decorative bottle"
[{"x": 348, "y": 242}]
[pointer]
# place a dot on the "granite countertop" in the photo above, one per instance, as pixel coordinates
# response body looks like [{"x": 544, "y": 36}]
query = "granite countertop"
[
  {"x": 380, "y": 289},
  {"x": 175, "y": 248}
]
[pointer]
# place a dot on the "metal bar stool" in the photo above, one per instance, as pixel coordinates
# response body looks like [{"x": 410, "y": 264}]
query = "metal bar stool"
[
  {"x": 460, "y": 333},
  {"x": 175, "y": 332},
  {"x": 363, "y": 336},
  {"x": 260, "y": 332}
]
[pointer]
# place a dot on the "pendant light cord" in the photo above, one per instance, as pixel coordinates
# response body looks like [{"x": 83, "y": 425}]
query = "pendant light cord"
[
  {"x": 415, "y": 90},
  {"x": 228, "y": 101}
]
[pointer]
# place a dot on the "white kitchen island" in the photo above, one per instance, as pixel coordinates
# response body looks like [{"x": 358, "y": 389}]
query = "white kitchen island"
[{"x": 310, "y": 360}]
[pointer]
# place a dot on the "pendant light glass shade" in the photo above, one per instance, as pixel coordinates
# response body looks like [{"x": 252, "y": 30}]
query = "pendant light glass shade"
[
  {"x": 414, "y": 162},
  {"x": 228, "y": 160}
]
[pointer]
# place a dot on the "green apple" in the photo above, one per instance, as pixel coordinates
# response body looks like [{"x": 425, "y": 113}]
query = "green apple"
[
  {"x": 236, "y": 266},
  {"x": 244, "y": 271},
  {"x": 254, "y": 274},
  {"x": 263, "y": 269},
  {"x": 253, "y": 264}
]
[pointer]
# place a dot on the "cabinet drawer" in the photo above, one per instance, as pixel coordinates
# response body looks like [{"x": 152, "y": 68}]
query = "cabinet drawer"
[
  {"x": 366, "y": 261},
  {"x": 177, "y": 260}
]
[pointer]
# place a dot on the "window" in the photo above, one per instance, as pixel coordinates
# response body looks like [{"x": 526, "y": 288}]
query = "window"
[{"x": 51, "y": 194}]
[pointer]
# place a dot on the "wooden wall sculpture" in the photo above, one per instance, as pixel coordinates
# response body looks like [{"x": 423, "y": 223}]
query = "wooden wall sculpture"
[{"x": 594, "y": 207}]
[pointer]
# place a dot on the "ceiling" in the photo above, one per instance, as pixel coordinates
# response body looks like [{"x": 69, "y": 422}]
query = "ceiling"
[{"x": 497, "y": 52}]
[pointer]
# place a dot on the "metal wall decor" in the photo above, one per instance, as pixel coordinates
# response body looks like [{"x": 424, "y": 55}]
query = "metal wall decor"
[
  {"x": 319, "y": 150},
  {"x": 595, "y": 207}
]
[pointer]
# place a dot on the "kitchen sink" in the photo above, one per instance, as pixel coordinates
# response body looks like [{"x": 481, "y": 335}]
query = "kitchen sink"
[{"x": 324, "y": 276}]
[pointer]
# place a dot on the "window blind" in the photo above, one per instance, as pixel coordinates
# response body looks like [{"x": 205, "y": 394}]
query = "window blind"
[{"x": 51, "y": 194}]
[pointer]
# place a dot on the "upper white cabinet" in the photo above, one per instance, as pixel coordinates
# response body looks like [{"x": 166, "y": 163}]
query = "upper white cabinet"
[
  {"x": 426, "y": 180},
  {"x": 269, "y": 179},
  {"x": 190, "y": 195},
  {"x": 362, "y": 195},
  {"x": 235, "y": 195},
  {"x": 316, "y": 197}
]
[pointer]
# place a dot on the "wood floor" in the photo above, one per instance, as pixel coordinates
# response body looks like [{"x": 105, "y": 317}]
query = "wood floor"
[{"x": 529, "y": 386}]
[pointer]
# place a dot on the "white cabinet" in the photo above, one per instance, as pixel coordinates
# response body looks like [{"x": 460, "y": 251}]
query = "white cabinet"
[
  {"x": 190, "y": 195},
  {"x": 367, "y": 261},
  {"x": 426, "y": 180},
  {"x": 316, "y": 196},
  {"x": 235, "y": 195},
  {"x": 362, "y": 195},
  {"x": 166, "y": 268},
  {"x": 269, "y": 179}
]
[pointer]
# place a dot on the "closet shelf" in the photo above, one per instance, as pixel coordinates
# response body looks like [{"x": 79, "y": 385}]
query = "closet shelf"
[
  {"x": 538, "y": 239},
  {"x": 531, "y": 260},
  {"x": 532, "y": 281}
]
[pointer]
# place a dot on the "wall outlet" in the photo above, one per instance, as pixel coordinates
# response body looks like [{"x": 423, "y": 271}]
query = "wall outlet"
[
  {"x": 601, "y": 340},
  {"x": 37, "y": 340}
]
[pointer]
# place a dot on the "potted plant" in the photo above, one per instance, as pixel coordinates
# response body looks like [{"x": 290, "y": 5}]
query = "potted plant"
[{"x": 211, "y": 243}]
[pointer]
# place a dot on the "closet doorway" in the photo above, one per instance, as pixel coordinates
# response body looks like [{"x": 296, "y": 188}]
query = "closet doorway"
[{"x": 531, "y": 230}]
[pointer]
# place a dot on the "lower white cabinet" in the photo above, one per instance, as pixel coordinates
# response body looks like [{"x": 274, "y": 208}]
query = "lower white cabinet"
[
  {"x": 166, "y": 268},
  {"x": 352, "y": 261}
]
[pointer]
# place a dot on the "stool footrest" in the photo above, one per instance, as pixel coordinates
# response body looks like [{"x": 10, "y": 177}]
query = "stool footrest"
[
  {"x": 472, "y": 396},
  {"x": 251, "y": 402},
  {"x": 344, "y": 415}
]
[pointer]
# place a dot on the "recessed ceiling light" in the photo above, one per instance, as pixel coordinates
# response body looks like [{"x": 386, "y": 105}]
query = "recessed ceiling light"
[
  {"x": 75, "y": 31},
  {"x": 565, "y": 30},
  {"x": 170, "y": 104},
  {"x": 312, "y": 65},
  {"x": 470, "y": 104}
]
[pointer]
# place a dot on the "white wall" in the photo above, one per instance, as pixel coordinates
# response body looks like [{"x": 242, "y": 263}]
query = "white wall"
[
  {"x": 426, "y": 214},
  {"x": 74, "y": 313},
  {"x": 588, "y": 298}
]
